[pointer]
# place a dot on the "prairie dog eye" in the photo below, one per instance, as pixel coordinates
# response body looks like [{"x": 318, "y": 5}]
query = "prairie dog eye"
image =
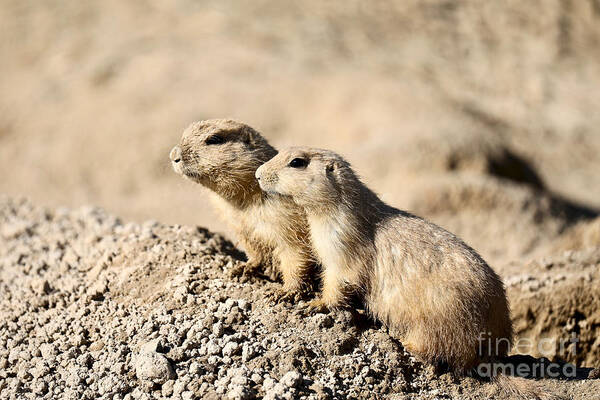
[
  {"x": 298, "y": 163},
  {"x": 215, "y": 139}
]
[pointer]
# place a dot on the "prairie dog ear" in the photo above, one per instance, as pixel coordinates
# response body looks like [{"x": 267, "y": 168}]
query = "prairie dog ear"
[
  {"x": 330, "y": 166},
  {"x": 332, "y": 169},
  {"x": 337, "y": 170},
  {"x": 253, "y": 139},
  {"x": 249, "y": 138}
]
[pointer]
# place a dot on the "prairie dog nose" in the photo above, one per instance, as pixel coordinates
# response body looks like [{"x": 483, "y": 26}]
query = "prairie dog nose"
[
  {"x": 175, "y": 154},
  {"x": 257, "y": 174}
]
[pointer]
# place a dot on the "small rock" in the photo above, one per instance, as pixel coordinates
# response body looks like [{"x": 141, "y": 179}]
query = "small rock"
[
  {"x": 194, "y": 368},
  {"x": 96, "y": 346},
  {"x": 243, "y": 304},
  {"x": 247, "y": 352},
  {"x": 291, "y": 379},
  {"x": 256, "y": 378},
  {"x": 167, "y": 388},
  {"x": 39, "y": 387},
  {"x": 214, "y": 360},
  {"x": 323, "y": 320},
  {"x": 212, "y": 347},
  {"x": 177, "y": 354},
  {"x": 187, "y": 395},
  {"x": 97, "y": 290},
  {"x": 40, "y": 287},
  {"x": 218, "y": 329},
  {"x": 230, "y": 349},
  {"x": 48, "y": 350},
  {"x": 229, "y": 303},
  {"x": 180, "y": 294},
  {"x": 179, "y": 386},
  {"x": 268, "y": 384},
  {"x": 77, "y": 340},
  {"x": 150, "y": 347},
  {"x": 279, "y": 391},
  {"x": 238, "y": 393},
  {"x": 13, "y": 355},
  {"x": 154, "y": 367}
]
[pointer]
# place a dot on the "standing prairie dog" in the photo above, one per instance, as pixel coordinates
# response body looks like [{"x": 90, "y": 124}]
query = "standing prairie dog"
[
  {"x": 432, "y": 291},
  {"x": 223, "y": 156}
]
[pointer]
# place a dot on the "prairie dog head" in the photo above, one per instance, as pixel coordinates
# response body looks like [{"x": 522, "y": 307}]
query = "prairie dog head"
[
  {"x": 222, "y": 155},
  {"x": 313, "y": 178}
]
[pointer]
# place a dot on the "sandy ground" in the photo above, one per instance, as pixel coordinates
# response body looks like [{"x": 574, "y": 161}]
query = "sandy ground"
[
  {"x": 481, "y": 116},
  {"x": 94, "y": 308}
]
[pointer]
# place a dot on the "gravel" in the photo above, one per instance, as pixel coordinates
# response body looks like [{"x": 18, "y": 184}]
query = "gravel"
[{"x": 91, "y": 307}]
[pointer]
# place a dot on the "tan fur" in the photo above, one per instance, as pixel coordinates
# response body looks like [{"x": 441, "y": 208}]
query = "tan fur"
[
  {"x": 435, "y": 293},
  {"x": 271, "y": 229}
]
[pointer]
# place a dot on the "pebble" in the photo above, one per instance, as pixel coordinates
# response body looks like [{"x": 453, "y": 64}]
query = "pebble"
[
  {"x": 154, "y": 367},
  {"x": 291, "y": 379},
  {"x": 218, "y": 329},
  {"x": 230, "y": 349},
  {"x": 212, "y": 347}
]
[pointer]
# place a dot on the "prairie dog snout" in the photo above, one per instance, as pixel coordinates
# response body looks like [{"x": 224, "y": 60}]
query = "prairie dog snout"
[{"x": 175, "y": 154}]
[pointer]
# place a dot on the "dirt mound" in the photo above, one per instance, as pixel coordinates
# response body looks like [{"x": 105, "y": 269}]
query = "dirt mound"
[
  {"x": 557, "y": 299},
  {"x": 92, "y": 307},
  {"x": 476, "y": 186},
  {"x": 503, "y": 220},
  {"x": 583, "y": 235},
  {"x": 462, "y": 151}
]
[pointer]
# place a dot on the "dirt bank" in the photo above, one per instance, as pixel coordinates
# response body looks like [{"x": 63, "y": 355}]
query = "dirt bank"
[{"x": 93, "y": 307}]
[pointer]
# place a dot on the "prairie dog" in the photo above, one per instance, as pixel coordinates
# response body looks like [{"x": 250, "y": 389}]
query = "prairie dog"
[
  {"x": 223, "y": 156},
  {"x": 432, "y": 291}
]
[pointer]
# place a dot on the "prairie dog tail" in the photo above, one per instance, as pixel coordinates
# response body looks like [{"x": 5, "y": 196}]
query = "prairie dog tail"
[{"x": 525, "y": 389}]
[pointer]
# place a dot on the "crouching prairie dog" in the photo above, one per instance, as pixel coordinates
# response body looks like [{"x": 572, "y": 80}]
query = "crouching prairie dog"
[
  {"x": 431, "y": 290},
  {"x": 223, "y": 156}
]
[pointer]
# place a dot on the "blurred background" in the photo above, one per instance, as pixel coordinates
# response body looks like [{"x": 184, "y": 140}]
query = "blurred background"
[{"x": 482, "y": 116}]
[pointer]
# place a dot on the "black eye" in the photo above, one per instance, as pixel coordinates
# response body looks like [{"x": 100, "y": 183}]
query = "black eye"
[
  {"x": 298, "y": 163},
  {"x": 215, "y": 139}
]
